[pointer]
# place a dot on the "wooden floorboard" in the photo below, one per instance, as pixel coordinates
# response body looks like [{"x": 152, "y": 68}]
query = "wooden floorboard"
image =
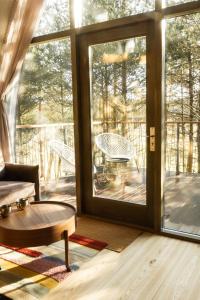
[{"x": 152, "y": 267}]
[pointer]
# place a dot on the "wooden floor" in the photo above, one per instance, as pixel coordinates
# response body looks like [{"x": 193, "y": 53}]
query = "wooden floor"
[{"x": 152, "y": 267}]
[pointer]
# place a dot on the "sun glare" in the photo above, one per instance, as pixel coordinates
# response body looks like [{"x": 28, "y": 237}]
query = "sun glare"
[{"x": 78, "y": 12}]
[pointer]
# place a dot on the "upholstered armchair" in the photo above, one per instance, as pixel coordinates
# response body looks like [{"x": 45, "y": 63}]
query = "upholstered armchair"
[{"x": 19, "y": 181}]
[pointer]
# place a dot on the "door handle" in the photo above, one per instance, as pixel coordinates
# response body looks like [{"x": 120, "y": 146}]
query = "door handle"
[{"x": 152, "y": 139}]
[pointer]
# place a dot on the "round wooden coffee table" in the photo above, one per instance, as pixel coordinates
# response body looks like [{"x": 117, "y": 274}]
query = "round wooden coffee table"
[{"x": 40, "y": 223}]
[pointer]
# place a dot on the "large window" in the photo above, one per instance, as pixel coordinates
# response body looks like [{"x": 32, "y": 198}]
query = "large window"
[
  {"x": 182, "y": 124},
  {"x": 119, "y": 76},
  {"x": 175, "y": 2},
  {"x": 44, "y": 125},
  {"x": 96, "y": 11},
  {"x": 54, "y": 17}
]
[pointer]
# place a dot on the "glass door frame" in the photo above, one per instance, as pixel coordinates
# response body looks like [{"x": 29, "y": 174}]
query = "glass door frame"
[{"x": 138, "y": 215}]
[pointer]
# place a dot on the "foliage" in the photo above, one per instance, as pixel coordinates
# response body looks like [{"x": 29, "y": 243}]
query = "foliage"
[
  {"x": 182, "y": 68},
  {"x": 45, "y": 84},
  {"x": 54, "y": 17},
  {"x": 118, "y": 77},
  {"x": 95, "y": 11}
]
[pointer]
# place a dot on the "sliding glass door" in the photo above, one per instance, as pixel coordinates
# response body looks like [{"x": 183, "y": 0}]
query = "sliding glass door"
[
  {"x": 182, "y": 125},
  {"x": 117, "y": 111}
]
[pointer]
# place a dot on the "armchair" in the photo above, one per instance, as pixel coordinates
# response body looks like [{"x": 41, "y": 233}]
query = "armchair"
[{"x": 19, "y": 181}]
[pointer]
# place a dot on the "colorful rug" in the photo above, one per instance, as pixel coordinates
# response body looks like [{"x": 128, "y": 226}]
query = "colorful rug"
[
  {"x": 27, "y": 251},
  {"x": 26, "y": 277},
  {"x": 85, "y": 241}
]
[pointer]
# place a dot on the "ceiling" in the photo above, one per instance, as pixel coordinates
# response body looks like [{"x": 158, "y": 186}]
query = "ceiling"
[{"x": 5, "y": 11}]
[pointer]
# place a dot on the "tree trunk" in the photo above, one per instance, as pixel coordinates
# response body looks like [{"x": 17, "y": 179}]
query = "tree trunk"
[
  {"x": 198, "y": 147},
  {"x": 19, "y": 159},
  {"x": 41, "y": 145},
  {"x": 183, "y": 125},
  {"x": 198, "y": 135},
  {"x": 124, "y": 88},
  {"x": 191, "y": 100},
  {"x": 114, "y": 114},
  {"x": 62, "y": 107},
  {"x": 105, "y": 116}
]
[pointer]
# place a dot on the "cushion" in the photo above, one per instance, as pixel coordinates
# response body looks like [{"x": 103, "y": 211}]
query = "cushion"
[{"x": 10, "y": 191}]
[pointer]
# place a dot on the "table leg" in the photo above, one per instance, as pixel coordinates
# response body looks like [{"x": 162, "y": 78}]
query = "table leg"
[{"x": 66, "y": 239}]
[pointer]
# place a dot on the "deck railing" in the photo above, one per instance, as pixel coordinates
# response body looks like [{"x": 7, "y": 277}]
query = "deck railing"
[
  {"x": 32, "y": 145},
  {"x": 183, "y": 147},
  {"x": 182, "y": 150}
]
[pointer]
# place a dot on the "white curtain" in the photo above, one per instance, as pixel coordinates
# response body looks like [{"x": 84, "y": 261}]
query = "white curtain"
[{"x": 20, "y": 30}]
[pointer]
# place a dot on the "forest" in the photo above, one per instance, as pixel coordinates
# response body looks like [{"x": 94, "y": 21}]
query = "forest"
[{"x": 118, "y": 87}]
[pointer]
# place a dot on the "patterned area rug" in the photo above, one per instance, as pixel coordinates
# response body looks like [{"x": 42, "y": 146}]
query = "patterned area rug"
[{"x": 26, "y": 277}]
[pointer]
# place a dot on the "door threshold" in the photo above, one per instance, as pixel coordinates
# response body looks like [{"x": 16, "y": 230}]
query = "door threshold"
[
  {"x": 117, "y": 222},
  {"x": 181, "y": 235}
]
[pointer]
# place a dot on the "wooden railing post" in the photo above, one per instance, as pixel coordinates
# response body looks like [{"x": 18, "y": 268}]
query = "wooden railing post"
[{"x": 177, "y": 149}]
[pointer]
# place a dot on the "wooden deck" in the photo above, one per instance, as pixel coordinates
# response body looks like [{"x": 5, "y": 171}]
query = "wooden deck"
[
  {"x": 182, "y": 204},
  {"x": 62, "y": 190},
  {"x": 182, "y": 199}
]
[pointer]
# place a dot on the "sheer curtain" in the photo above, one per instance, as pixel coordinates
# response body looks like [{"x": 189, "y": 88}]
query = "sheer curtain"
[{"x": 23, "y": 19}]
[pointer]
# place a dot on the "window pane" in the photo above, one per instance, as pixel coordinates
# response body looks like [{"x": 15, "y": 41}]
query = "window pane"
[
  {"x": 45, "y": 129},
  {"x": 118, "y": 125},
  {"x": 182, "y": 126},
  {"x": 175, "y": 2},
  {"x": 10, "y": 103},
  {"x": 54, "y": 17},
  {"x": 95, "y": 11}
]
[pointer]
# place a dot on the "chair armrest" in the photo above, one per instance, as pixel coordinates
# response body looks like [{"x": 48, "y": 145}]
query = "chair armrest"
[
  {"x": 17, "y": 172},
  {"x": 2, "y": 174}
]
